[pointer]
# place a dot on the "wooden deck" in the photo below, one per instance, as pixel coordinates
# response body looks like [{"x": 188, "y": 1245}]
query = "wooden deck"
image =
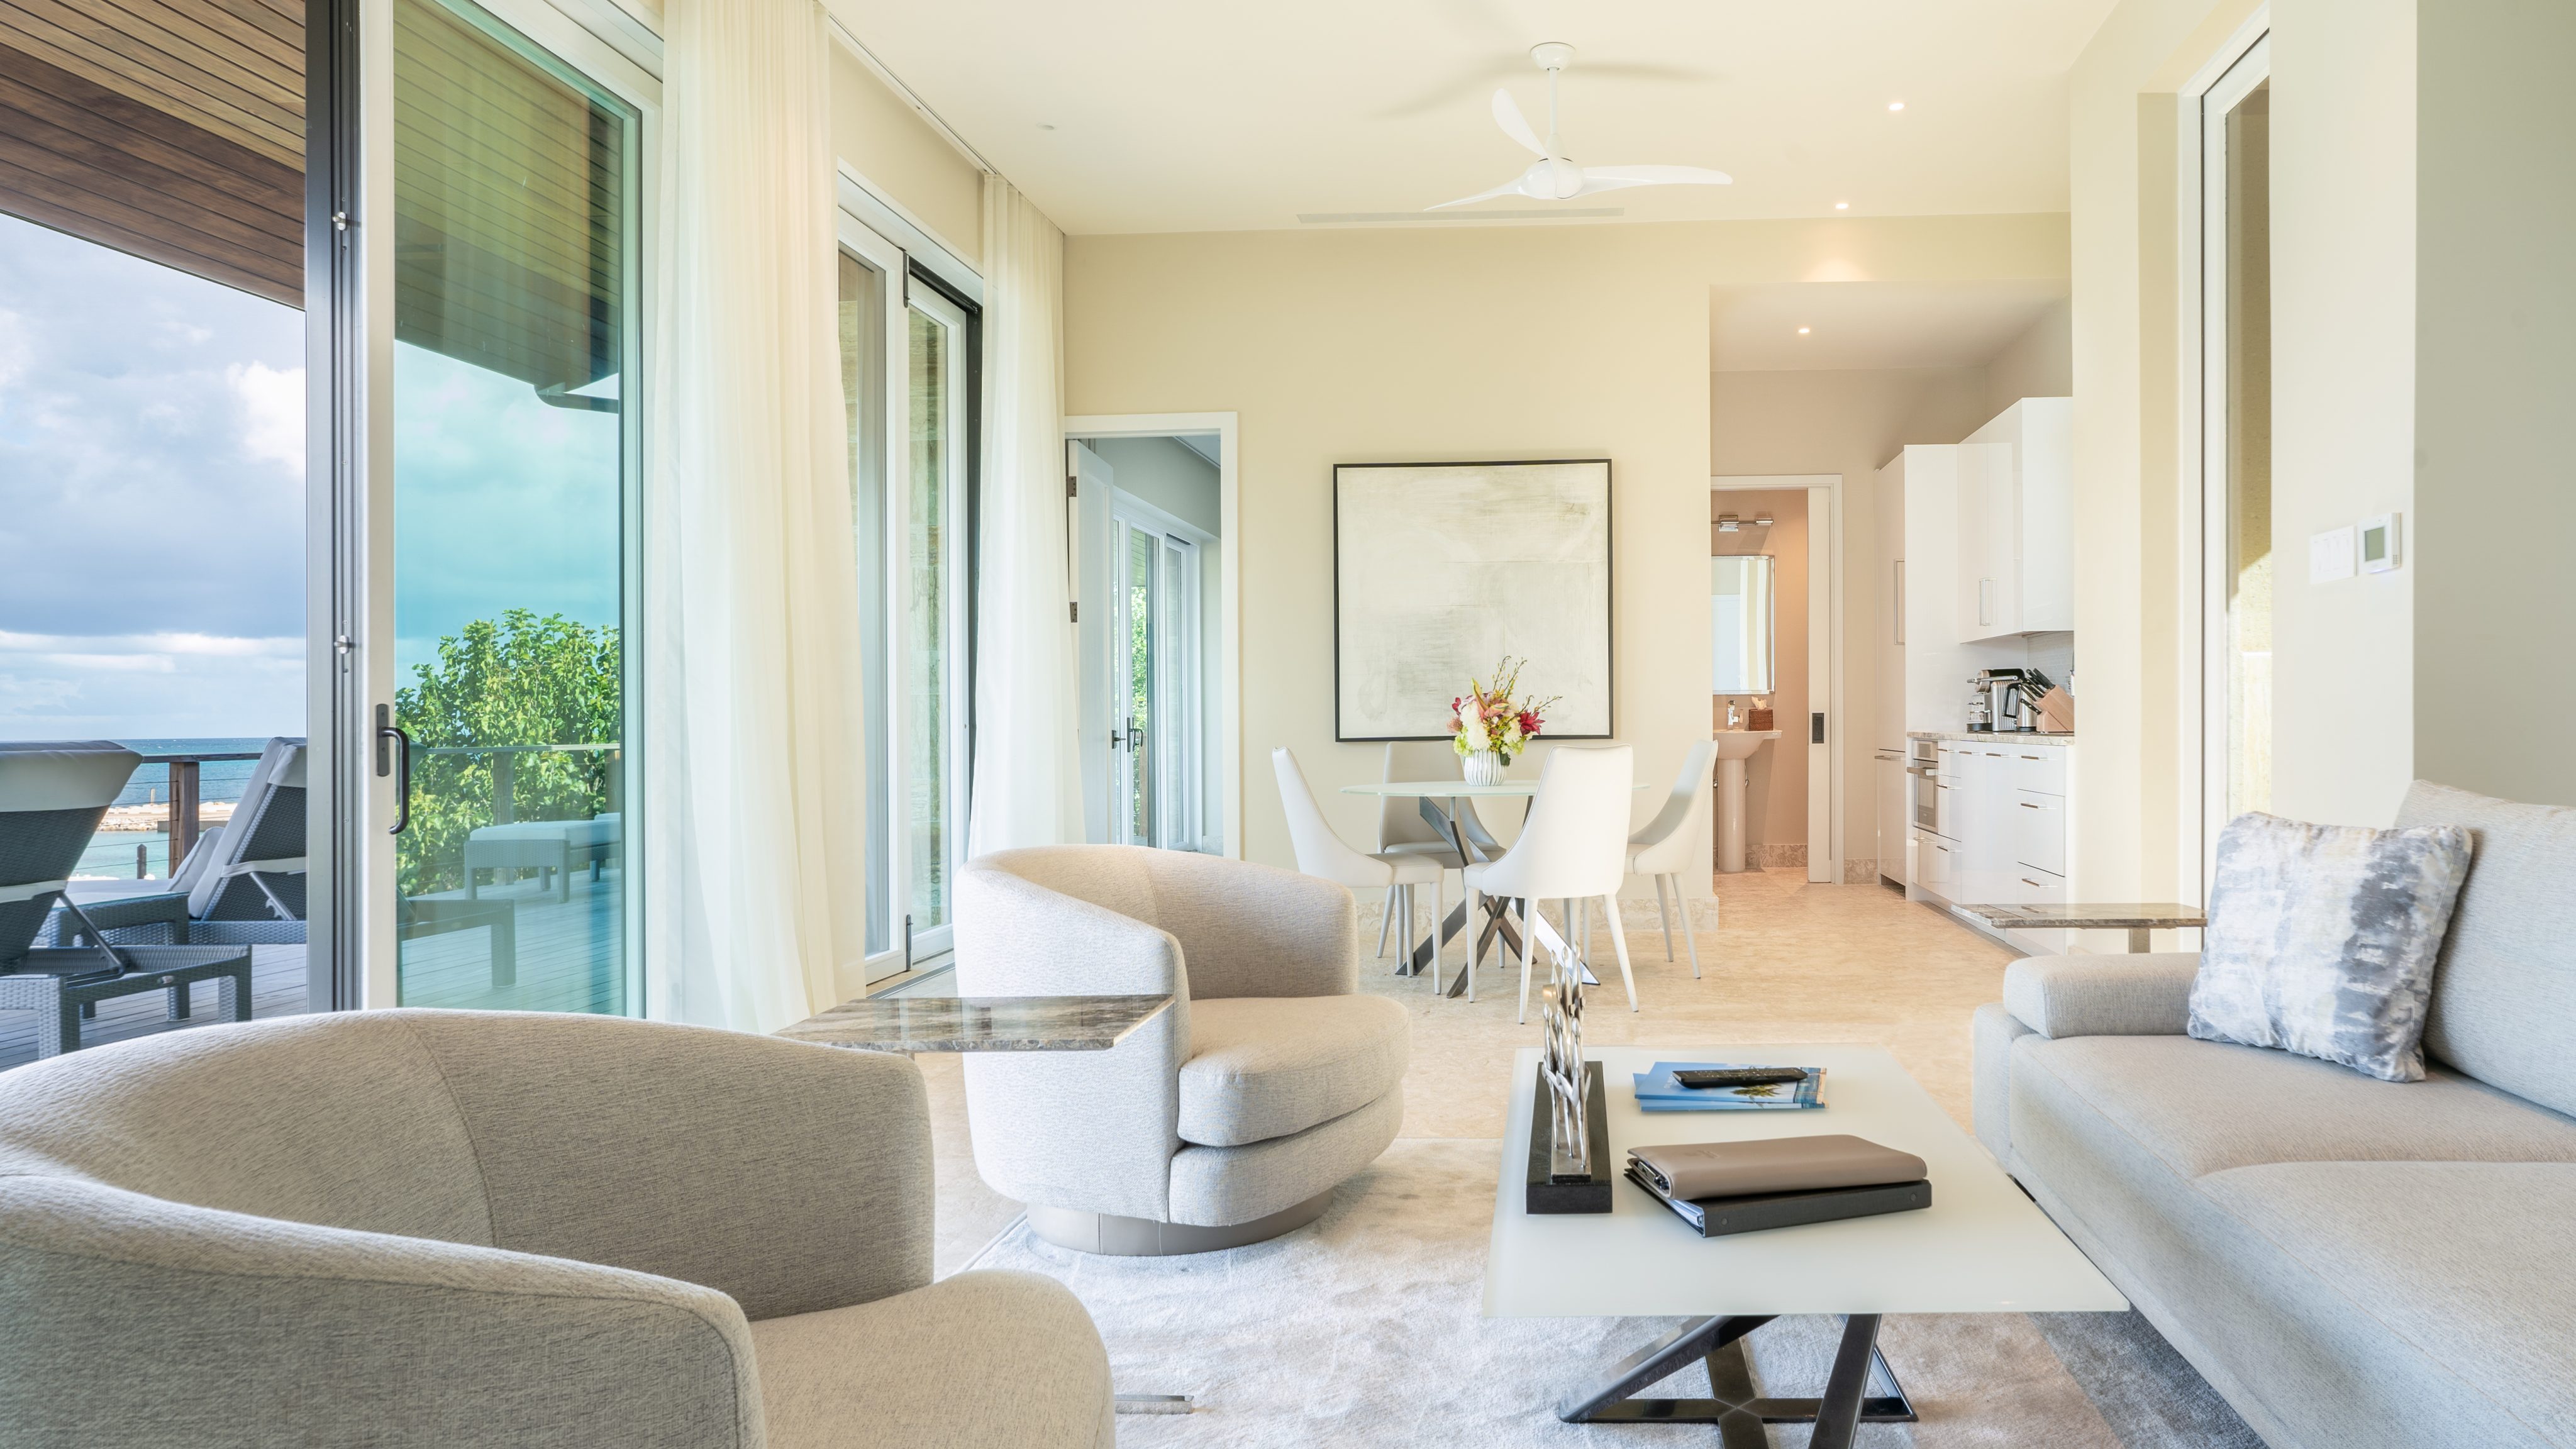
[{"x": 569, "y": 956}]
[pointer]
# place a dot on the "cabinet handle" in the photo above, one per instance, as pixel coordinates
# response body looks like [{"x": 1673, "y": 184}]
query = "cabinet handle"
[
  {"x": 2034, "y": 885},
  {"x": 2026, "y": 805}
]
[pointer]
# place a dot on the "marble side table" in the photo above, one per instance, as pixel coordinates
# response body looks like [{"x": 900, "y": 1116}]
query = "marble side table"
[
  {"x": 980, "y": 1023},
  {"x": 2138, "y": 918}
]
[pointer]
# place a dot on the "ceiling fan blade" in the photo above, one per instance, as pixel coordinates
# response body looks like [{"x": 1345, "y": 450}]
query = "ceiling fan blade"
[
  {"x": 1611, "y": 178},
  {"x": 1512, "y": 187},
  {"x": 1507, "y": 114}
]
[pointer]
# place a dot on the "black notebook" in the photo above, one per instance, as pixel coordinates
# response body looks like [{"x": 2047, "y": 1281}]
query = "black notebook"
[{"x": 1719, "y": 1217}]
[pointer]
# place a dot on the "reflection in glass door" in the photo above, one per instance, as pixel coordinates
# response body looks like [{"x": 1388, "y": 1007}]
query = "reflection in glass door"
[{"x": 515, "y": 451}]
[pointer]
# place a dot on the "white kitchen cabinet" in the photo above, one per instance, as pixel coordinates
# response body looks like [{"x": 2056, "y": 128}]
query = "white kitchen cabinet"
[
  {"x": 1894, "y": 822},
  {"x": 2039, "y": 832},
  {"x": 2002, "y": 841},
  {"x": 2016, "y": 531}
]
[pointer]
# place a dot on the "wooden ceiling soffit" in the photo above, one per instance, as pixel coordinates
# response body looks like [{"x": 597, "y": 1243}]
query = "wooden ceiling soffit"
[{"x": 109, "y": 169}]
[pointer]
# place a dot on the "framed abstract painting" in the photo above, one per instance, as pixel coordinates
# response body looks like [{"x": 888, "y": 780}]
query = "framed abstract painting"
[{"x": 1442, "y": 569}]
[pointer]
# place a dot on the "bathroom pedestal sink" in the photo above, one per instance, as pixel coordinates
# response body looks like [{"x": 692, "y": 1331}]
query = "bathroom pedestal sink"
[{"x": 1734, "y": 747}]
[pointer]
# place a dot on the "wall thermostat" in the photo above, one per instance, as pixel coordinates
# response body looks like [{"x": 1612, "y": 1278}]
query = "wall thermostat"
[{"x": 2379, "y": 543}]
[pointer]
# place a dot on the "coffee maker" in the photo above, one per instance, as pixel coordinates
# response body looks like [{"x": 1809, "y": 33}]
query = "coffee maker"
[{"x": 2006, "y": 701}]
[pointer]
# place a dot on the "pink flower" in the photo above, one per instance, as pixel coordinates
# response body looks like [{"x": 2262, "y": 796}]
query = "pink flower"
[{"x": 1529, "y": 723}]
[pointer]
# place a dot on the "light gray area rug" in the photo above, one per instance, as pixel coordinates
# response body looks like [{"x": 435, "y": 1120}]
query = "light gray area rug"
[{"x": 1366, "y": 1328}]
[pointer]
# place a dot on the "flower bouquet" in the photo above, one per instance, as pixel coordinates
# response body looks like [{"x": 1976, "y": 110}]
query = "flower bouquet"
[{"x": 1487, "y": 726}]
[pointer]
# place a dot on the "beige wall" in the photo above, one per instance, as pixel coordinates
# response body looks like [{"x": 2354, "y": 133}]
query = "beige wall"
[
  {"x": 2496, "y": 343},
  {"x": 1775, "y": 779},
  {"x": 2343, "y": 399},
  {"x": 884, "y": 139},
  {"x": 1850, "y": 423},
  {"x": 2136, "y": 513},
  {"x": 1444, "y": 344},
  {"x": 2039, "y": 363},
  {"x": 2344, "y": 321}
]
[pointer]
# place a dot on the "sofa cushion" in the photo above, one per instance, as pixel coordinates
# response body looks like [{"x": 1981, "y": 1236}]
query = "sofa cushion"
[
  {"x": 2202, "y": 1107},
  {"x": 2463, "y": 1274},
  {"x": 979, "y": 1359},
  {"x": 2504, "y": 994},
  {"x": 1266, "y": 1066}
]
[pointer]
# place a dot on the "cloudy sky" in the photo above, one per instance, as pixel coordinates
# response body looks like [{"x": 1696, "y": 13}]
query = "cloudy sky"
[{"x": 152, "y": 500}]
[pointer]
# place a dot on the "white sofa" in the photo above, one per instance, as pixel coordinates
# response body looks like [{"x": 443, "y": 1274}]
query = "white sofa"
[
  {"x": 2354, "y": 1264},
  {"x": 1228, "y": 1119}
]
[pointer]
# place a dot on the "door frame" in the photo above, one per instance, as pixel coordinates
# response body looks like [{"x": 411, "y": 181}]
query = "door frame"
[
  {"x": 1228, "y": 735},
  {"x": 349, "y": 487},
  {"x": 2242, "y": 64},
  {"x": 1826, "y": 787}
]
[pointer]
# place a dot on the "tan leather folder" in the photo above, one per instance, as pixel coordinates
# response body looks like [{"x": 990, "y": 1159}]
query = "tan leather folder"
[{"x": 1694, "y": 1170}]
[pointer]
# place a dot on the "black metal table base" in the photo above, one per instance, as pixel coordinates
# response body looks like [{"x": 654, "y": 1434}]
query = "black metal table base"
[{"x": 1862, "y": 1389}]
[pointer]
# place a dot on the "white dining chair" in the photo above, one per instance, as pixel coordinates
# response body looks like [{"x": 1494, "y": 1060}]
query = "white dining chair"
[
  {"x": 1664, "y": 849},
  {"x": 1574, "y": 847},
  {"x": 1323, "y": 853},
  {"x": 1401, "y": 828}
]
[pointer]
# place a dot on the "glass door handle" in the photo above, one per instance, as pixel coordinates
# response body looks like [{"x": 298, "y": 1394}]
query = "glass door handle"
[{"x": 387, "y": 732}]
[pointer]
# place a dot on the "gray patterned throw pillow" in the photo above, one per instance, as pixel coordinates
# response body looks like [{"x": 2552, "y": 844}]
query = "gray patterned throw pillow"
[{"x": 2321, "y": 939}]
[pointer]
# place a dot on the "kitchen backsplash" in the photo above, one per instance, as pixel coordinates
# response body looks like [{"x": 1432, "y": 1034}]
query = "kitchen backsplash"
[{"x": 2054, "y": 656}]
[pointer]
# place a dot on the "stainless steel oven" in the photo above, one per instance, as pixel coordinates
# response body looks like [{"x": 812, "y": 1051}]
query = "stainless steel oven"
[{"x": 1923, "y": 784}]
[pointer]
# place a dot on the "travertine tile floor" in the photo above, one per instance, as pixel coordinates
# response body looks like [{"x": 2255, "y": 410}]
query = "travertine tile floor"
[{"x": 1785, "y": 962}]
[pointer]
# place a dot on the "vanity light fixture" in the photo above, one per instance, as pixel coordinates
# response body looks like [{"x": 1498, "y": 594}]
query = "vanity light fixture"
[
  {"x": 1728, "y": 523},
  {"x": 1762, "y": 520}
]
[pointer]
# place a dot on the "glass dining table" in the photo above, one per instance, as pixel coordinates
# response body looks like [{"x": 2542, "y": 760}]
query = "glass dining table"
[{"x": 1447, "y": 805}]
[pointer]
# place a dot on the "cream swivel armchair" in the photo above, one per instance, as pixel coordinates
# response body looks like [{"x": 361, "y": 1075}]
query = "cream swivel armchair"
[
  {"x": 1228, "y": 1119},
  {"x": 496, "y": 1229},
  {"x": 1668, "y": 845},
  {"x": 1573, "y": 848}
]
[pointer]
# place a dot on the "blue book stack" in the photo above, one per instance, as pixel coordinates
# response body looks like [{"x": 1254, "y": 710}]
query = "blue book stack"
[{"x": 1658, "y": 1092}]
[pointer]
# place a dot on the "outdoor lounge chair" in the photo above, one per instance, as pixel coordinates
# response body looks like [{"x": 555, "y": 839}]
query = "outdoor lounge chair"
[
  {"x": 52, "y": 797},
  {"x": 244, "y": 883}
]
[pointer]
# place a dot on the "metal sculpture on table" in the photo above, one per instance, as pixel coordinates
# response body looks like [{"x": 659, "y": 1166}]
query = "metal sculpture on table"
[{"x": 1569, "y": 1132}]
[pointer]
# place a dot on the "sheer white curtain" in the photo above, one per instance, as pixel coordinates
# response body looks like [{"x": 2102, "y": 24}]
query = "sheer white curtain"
[
  {"x": 1027, "y": 781},
  {"x": 753, "y": 735}
]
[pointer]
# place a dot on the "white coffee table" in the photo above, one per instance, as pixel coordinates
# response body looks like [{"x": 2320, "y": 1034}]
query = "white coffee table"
[{"x": 1982, "y": 1247}]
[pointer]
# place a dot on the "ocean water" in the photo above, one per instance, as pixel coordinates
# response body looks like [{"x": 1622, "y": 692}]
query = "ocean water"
[{"x": 114, "y": 852}]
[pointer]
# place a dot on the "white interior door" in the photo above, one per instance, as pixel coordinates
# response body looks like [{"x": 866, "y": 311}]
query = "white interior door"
[{"x": 1092, "y": 481}]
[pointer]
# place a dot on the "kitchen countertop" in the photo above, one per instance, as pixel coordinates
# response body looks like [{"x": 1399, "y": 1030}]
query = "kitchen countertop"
[{"x": 1988, "y": 737}]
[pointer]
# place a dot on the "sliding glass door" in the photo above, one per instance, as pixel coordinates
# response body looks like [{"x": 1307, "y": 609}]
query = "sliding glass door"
[
  {"x": 1156, "y": 725},
  {"x": 904, "y": 367},
  {"x": 501, "y": 541}
]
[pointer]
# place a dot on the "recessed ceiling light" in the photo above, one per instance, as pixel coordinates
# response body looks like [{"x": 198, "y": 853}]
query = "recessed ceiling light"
[
  {"x": 1803, "y": 331},
  {"x": 1842, "y": 206},
  {"x": 1896, "y": 105}
]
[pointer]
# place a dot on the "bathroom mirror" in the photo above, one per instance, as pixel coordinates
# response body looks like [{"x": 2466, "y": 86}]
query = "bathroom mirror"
[{"x": 1740, "y": 616}]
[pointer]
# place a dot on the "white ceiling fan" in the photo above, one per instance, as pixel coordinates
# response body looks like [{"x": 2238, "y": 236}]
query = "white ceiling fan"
[{"x": 1554, "y": 176}]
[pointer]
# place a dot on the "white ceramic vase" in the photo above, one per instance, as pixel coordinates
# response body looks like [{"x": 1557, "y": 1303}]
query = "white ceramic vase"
[{"x": 1484, "y": 767}]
